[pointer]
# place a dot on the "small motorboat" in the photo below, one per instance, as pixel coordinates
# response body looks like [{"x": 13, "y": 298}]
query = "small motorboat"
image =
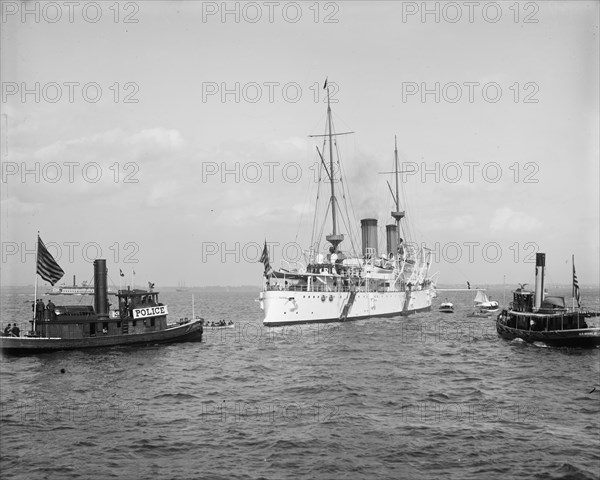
[{"x": 447, "y": 307}]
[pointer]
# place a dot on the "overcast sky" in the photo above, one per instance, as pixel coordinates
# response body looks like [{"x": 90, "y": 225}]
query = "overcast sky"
[{"x": 171, "y": 138}]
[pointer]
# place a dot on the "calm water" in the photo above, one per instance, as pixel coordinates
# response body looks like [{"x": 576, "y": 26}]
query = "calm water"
[{"x": 429, "y": 396}]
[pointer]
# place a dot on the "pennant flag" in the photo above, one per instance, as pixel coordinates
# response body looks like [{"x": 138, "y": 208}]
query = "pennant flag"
[
  {"x": 121, "y": 272},
  {"x": 47, "y": 268},
  {"x": 264, "y": 258},
  {"x": 325, "y": 84},
  {"x": 575, "y": 285},
  {"x": 150, "y": 285}
]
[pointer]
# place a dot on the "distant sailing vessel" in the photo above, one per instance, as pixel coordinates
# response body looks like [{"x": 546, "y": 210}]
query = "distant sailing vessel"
[
  {"x": 139, "y": 319},
  {"x": 536, "y": 317},
  {"x": 483, "y": 303},
  {"x": 83, "y": 289},
  {"x": 346, "y": 285}
]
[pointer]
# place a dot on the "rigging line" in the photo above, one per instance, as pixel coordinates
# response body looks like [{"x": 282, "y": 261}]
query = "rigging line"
[
  {"x": 351, "y": 233},
  {"x": 305, "y": 207},
  {"x": 314, "y": 228},
  {"x": 316, "y": 211},
  {"x": 323, "y": 225},
  {"x": 346, "y": 196}
]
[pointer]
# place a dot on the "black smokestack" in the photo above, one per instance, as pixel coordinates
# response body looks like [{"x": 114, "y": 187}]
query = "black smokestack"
[
  {"x": 540, "y": 264},
  {"x": 369, "y": 235},
  {"x": 100, "y": 289}
]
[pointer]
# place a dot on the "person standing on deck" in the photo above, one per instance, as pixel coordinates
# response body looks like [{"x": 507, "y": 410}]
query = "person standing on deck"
[
  {"x": 15, "y": 332},
  {"x": 50, "y": 307}
]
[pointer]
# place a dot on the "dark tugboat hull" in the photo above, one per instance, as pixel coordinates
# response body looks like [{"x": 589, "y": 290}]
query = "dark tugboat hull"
[
  {"x": 580, "y": 338},
  {"x": 189, "y": 332}
]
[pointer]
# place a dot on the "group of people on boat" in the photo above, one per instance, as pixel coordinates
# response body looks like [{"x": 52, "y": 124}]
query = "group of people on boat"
[
  {"x": 220, "y": 323},
  {"x": 12, "y": 331},
  {"x": 40, "y": 308}
]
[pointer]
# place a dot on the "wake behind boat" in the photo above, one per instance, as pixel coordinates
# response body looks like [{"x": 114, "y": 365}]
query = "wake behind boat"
[
  {"x": 139, "y": 320},
  {"x": 536, "y": 317},
  {"x": 342, "y": 285}
]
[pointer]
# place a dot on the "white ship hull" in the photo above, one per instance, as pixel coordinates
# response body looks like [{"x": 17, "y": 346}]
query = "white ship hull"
[
  {"x": 286, "y": 307},
  {"x": 72, "y": 291}
]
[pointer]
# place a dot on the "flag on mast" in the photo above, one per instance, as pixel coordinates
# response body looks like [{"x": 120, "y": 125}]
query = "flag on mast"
[
  {"x": 47, "y": 268},
  {"x": 575, "y": 285},
  {"x": 264, "y": 258}
]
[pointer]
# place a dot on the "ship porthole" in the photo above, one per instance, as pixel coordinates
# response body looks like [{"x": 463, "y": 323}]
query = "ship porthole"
[
  {"x": 322, "y": 298},
  {"x": 331, "y": 298}
]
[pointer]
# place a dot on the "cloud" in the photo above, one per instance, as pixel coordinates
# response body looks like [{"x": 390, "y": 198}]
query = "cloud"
[{"x": 506, "y": 218}]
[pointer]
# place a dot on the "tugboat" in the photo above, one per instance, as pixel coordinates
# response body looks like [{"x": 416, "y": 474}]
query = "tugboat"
[
  {"x": 139, "y": 320},
  {"x": 345, "y": 284},
  {"x": 536, "y": 317}
]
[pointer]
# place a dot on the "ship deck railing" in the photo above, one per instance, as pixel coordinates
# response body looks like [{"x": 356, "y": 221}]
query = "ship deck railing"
[
  {"x": 328, "y": 288},
  {"x": 570, "y": 319}
]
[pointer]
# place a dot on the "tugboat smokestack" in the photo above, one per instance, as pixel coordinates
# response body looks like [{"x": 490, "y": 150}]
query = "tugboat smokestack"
[
  {"x": 100, "y": 289},
  {"x": 540, "y": 265}
]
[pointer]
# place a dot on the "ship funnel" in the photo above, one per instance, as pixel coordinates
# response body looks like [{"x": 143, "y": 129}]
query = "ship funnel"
[
  {"x": 100, "y": 289},
  {"x": 391, "y": 235},
  {"x": 540, "y": 265},
  {"x": 369, "y": 236}
]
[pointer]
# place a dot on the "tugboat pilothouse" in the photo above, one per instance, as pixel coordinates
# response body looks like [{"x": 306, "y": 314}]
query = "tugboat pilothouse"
[{"x": 342, "y": 285}]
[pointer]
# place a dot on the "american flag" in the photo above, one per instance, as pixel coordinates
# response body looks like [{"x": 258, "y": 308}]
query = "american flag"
[
  {"x": 47, "y": 268},
  {"x": 575, "y": 285},
  {"x": 264, "y": 258}
]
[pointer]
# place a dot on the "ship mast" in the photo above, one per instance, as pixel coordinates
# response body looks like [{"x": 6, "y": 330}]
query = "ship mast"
[
  {"x": 397, "y": 214},
  {"x": 335, "y": 239}
]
